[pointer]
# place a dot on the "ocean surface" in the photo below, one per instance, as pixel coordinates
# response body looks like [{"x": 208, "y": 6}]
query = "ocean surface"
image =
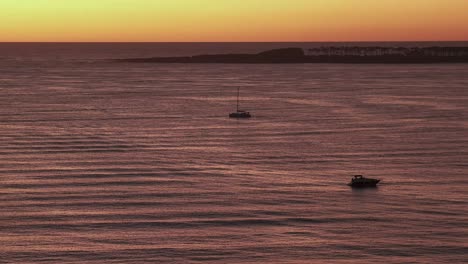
[{"x": 105, "y": 162}]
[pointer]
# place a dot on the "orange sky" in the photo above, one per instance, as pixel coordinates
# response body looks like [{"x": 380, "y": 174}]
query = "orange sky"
[{"x": 232, "y": 20}]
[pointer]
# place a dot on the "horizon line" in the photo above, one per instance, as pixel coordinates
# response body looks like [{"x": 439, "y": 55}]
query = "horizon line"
[{"x": 148, "y": 42}]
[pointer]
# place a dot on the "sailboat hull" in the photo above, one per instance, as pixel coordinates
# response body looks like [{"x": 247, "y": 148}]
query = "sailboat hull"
[{"x": 240, "y": 115}]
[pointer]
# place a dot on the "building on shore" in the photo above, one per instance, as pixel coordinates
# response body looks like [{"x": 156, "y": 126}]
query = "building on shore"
[{"x": 387, "y": 51}]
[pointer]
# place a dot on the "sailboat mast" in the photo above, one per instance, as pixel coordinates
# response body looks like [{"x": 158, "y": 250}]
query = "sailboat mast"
[{"x": 237, "y": 99}]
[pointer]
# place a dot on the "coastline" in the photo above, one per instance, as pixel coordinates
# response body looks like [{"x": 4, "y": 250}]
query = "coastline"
[{"x": 348, "y": 55}]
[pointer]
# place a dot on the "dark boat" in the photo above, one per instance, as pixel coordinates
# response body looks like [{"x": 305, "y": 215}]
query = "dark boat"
[
  {"x": 360, "y": 181},
  {"x": 239, "y": 113}
]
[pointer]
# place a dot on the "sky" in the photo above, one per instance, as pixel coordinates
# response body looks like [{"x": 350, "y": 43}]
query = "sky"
[{"x": 232, "y": 20}]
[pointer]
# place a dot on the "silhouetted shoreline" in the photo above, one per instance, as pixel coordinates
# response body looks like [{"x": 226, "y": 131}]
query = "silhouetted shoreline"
[{"x": 383, "y": 55}]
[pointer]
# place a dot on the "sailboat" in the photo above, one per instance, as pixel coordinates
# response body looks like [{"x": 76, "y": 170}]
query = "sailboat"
[{"x": 239, "y": 113}]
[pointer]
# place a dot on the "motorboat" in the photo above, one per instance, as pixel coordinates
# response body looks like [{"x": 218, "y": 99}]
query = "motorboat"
[{"x": 361, "y": 181}]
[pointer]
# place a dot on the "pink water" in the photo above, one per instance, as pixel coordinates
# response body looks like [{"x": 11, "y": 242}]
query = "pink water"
[{"x": 138, "y": 163}]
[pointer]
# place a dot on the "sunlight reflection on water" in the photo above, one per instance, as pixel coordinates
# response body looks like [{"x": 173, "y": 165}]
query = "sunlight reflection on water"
[{"x": 139, "y": 163}]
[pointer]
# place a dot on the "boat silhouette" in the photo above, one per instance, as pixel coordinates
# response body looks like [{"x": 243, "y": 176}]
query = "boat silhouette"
[
  {"x": 239, "y": 113},
  {"x": 360, "y": 181}
]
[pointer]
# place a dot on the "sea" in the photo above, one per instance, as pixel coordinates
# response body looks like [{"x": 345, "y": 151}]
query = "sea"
[{"x": 106, "y": 162}]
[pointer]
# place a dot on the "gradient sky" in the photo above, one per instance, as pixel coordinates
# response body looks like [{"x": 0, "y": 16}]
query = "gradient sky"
[{"x": 233, "y": 20}]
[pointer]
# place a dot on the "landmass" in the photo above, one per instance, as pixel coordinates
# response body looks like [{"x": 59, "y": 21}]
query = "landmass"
[{"x": 327, "y": 55}]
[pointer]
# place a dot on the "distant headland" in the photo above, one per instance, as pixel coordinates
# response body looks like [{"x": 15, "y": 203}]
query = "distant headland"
[{"x": 384, "y": 55}]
